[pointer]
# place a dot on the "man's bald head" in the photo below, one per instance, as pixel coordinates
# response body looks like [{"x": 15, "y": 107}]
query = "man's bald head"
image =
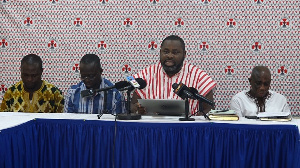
[{"x": 259, "y": 70}]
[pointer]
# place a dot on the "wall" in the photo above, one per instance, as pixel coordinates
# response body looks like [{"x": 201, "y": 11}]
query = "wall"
[{"x": 224, "y": 38}]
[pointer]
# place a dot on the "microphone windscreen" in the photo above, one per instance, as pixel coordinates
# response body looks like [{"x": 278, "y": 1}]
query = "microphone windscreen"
[
  {"x": 193, "y": 90},
  {"x": 175, "y": 85},
  {"x": 141, "y": 82},
  {"x": 121, "y": 84}
]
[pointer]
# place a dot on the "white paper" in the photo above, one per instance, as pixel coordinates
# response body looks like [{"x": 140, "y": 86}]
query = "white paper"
[
  {"x": 222, "y": 112},
  {"x": 273, "y": 114}
]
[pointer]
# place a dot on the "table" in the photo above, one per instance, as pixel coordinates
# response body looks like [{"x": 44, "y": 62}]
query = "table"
[{"x": 81, "y": 140}]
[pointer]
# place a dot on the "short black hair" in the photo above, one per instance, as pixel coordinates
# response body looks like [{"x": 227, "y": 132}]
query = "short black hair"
[
  {"x": 32, "y": 59},
  {"x": 91, "y": 58},
  {"x": 174, "y": 37}
]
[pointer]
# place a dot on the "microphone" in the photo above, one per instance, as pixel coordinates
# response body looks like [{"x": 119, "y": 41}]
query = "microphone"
[
  {"x": 91, "y": 92},
  {"x": 132, "y": 81},
  {"x": 141, "y": 82},
  {"x": 131, "y": 116},
  {"x": 200, "y": 97},
  {"x": 182, "y": 91}
]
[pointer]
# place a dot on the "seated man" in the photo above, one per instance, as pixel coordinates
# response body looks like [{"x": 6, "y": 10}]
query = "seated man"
[
  {"x": 90, "y": 72},
  {"x": 259, "y": 98},
  {"x": 172, "y": 69},
  {"x": 32, "y": 94}
]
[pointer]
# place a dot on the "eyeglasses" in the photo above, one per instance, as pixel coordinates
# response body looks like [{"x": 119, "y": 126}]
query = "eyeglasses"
[{"x": 90, "y": 77}]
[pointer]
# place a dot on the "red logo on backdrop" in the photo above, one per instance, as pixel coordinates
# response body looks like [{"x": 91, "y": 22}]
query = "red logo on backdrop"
[
  {"x": 282, "y": 71},
  {"x": 103, "y": 1},
  {"x": 4, "y": 44},
  {"x": 229, "y": 70},
  {"x": 204, "y": 46},
  {"x": 126, "y": 69},
  {"x": 258, "y": 2},
  {"x": 77, "y": 23},
  {"x": 53, "y": 1},
  {"x": 152, "y": 45},
  {"x": 102, "y": 45},
  {"x": 231, "y": 23},
  {"x": 3, "y": 89},
  {"x": 154, "y": 1},
  {"x": 5, "y": 1},
  {"x": 76, "y": 68},
  {"x": 128, "y": 22},
  {"x": 52, "y": 45},
  {"x": 284, "y": 23},
  {"x": 179, "y": 22},
  {"x": 205, "y": 2},
  {"x": 256, "y": 47},
  {"x": 28, "y": 22}
]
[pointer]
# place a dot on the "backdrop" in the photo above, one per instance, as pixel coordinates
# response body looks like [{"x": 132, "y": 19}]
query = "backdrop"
[{"x": 224, "y": 38}]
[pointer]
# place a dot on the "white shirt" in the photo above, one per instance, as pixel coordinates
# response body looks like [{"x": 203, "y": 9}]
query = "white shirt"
[{"x": 246, "y": 106}]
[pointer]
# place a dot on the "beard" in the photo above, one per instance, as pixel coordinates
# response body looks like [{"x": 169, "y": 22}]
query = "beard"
[{"x": 172, "y": 69}]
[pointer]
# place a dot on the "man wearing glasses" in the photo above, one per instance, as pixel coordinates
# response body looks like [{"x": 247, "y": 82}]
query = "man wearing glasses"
[{"x": 101, "y": 102}]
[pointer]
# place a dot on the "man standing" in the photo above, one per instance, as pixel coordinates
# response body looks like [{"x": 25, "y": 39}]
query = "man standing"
[
  {"x": 173, "y": 69},
  {"x": 259, "y": 98},
  {"x": 101, "y": 102},
  {"x": 32, "y": 94}
]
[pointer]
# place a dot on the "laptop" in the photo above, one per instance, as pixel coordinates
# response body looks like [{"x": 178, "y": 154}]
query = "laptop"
[{"x": 167, "y": 107}]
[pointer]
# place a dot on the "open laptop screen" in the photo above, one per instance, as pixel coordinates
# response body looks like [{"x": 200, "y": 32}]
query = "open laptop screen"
[{"x": 163, "y": 106}]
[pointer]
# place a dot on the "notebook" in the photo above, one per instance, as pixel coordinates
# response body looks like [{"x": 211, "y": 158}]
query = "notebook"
[{"x": 163, "y": 106}]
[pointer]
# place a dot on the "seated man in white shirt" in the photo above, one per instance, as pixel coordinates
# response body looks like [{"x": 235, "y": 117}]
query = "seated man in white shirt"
[{"x": 259, "y": 98}]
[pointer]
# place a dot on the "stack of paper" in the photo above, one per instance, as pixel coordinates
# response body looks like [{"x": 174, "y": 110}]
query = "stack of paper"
[
  {"x": 224, "y": 115},
  {"x": 275, "y": 116}
]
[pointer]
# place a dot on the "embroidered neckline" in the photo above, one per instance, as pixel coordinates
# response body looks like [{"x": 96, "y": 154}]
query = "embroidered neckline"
[{"x": 266, "y": 97}]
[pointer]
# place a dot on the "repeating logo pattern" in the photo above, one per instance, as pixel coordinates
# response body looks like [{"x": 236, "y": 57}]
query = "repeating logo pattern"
[
  {"x": 229, "y": 70},
  {"x": 128, "y": 23},
  {"x": 76, "y": 68},
  {"x": 179, "y": 22},
  {"x": 224, "y": 38},
  {"x": 4, "y": 44},
  {"x": 5, "y": 1},
  {"x": 282, "y": 71},
  {"x": 78, "y": 23},
  {"x": 256, "y": 46},
  {"x": 259, "y": 2},
  {"x": 204, "y": 46},
  {"x": 104, "y": 2},
  {"x": 231, "y": 23},
  {"x": 28, "y": 22},
  {"x": 284, "y": 23},
  {"x": 154, "y": 2},
  {"x": 102, "y": 45},
  {"x": 126, "y": 69},
  {"x": 152, "y": 45},
  {"x": 206, "y": 2},
  {"x": 52, "y": 45},
  {"x": 3, "y": 89}
]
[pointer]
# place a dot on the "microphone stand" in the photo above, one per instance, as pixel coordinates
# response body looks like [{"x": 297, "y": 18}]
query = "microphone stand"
[
  {"x": 128, "y": 115},
  {"x": 104, "y": 110},
  {"x": 186, "y": 112},
  {"x": 200, "y": 109}
]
